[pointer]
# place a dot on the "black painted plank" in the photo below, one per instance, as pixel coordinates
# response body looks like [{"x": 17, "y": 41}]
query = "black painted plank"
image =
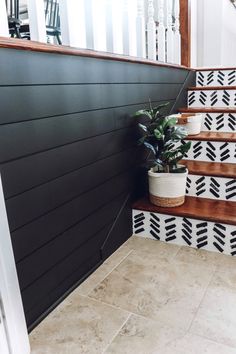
[
  {"x": 120, "y": 231},
  {"x": 33, "y": 102},
  {"x": 32, "y": 267},
  {"x": 30, "y": 205},
  {"x": 41, "y": 135},
  {"x": 43, "y": 286},
  {"x": 24, "y": 67},
  {"x": 35, "y": 234},
  {"x": 51, "y": 299},
  {"x": 41, "y": 168}
]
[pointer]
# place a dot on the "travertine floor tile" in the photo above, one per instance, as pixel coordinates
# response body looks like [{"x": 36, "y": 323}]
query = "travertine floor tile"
[
  {"x": 142, "y": 336},
  {"x": 79, "y": 325},
  {"x": 216, "y": 318},
  {"x": 152, "y": 247},
  {"x": 197, "y": 257},
  {"x": 94, "y": 279},
  {"x": 155, "y": 288}
]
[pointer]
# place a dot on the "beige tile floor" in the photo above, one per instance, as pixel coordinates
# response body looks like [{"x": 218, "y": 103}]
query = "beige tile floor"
[{"x": 149, "y": 297}]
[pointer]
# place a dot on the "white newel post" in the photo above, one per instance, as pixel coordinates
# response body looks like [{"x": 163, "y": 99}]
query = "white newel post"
[
  {"x": 177, "y": 36},
  {"x": 99, "y": 24},
  {"x": 4, "y": 31},
  {"x": 169, "y": 33},
  {"x": 151, "y": 32},
  {"x": 140, "y": 25},
  {"x": 37, "y": 20},
  {"x": 72, "y": 21},
  {"x": 161, "y": 33}
]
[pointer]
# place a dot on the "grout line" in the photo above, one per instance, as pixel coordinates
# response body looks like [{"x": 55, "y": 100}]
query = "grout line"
[
  {"x": 203, "y": 297},
  {"x": 116, "y": 333},
  {"x": 109, "y": 272},
  {"x": 214, "y": 341}
]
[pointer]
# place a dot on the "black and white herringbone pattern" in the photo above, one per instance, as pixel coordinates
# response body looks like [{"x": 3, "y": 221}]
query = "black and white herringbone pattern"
[
  {"x": 219, "y": 122},
  {"x": 185, "y": 231},
  {"x": 210, "y": 187},
  {"x": 212, "y": 98},
  {"x": 212, "y": 151},
  {"x": 216, "y": 78}
]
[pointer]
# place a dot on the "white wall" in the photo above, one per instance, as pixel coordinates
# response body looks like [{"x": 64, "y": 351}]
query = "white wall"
[
  {"x": 228, "y": 47},
  {"x": 213, "y": 33}
]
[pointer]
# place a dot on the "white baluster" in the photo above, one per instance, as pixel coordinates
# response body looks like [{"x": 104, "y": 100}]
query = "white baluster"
[
  {"x": 4, "y": 31},
  {"x": 88, "y": 8},
  {"x": 109, "y": 26},
  {"x": 161, "y": 32},
  {"x": 177, "y": 36},
  {"x": 99, "y": 25},
  {"x": 151, "y": 32},
  {"x": 117, "y": 18},
  {"x": 126, "y": 42},
  {"x": 37, "y": 20},
  {"x": 140, "y": 23},
  {"x": 169, "y": 33},
  {"x": 72, "y": 21}
]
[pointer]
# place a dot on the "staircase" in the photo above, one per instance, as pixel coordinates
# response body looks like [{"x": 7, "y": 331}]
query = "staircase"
[{"x": 207, "y": 220}]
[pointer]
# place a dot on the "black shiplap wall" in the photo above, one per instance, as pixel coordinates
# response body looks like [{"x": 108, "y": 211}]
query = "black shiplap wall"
[{"x": 69, "y": 162}]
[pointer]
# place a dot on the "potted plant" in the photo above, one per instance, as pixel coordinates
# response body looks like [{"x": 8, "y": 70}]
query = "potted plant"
[{"x": 161, "y": 135}]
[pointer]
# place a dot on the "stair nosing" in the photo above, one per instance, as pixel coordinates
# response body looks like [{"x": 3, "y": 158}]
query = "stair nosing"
[
  {"x": 208, "y": 110},
  {"x": 215, "y": 69},
  {"x": 216, "y": 136},
  {"x": 176, "y": 211},
  {"x": 211, "y": 88},
  {"x": 210, "y": 171}
]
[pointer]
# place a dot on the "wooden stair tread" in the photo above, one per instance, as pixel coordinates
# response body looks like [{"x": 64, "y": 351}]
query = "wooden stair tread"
[
  {"x": 208, "y": 110},
  {"x": 213, "y": 136},
  {"x": 211, "y": 88},
  {"x": 215, "y": 69},
  {"x": 219, "y": 211},
  {"x": 215, "y": 169}
]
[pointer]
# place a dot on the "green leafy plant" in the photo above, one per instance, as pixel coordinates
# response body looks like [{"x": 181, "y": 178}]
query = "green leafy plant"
[{"x": 160, "y": 134}]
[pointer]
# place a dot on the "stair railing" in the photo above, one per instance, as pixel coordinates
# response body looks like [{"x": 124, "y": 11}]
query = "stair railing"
[{"x": 141, "y": 28}]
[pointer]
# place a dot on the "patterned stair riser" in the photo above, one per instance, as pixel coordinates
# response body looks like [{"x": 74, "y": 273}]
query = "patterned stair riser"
[
  {"x": 211, "y": 187},
  {"x": 212, "y": 151},
  {"x": 216, "y": 78},
  {"x": 219, "y": 122},
  {"x": 210, "y": 98},
  {"x": 186, "y": 231}
]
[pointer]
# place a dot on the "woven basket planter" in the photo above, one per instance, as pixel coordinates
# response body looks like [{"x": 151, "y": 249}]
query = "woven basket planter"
[
  {"x": 167, "y": 189},
  {"x": 191, "y": 122}
]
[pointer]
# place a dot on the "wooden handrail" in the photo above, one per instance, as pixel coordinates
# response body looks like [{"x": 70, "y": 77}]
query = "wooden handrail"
[
  {"x": 13, "y": 43},
  {"x": 185, "y": 30}
]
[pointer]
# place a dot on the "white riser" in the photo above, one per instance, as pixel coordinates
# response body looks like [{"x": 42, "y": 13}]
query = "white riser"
[
  {"x": 186, "y": 231},
  {"x": 210, "y": 98},
  {"x": 217, "y": 188},
  {"x": 212, "y": 151},
  {"x": 219, "y": 122},
  {"x": 216, "y": 78}
]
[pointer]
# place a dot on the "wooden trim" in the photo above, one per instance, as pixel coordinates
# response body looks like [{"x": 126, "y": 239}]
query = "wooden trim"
[
  {"x": 20, "y": 44},
  {"x": 216, "y": 169},
  {"x": 213, "y": 136},
  {"x": 185, "y": 30},
  {"x": 214, "y": 69},
  {"x": 197, "y": 208},
  {"x": 207, "y": 110},
  {"x": 211, "y": 88}
]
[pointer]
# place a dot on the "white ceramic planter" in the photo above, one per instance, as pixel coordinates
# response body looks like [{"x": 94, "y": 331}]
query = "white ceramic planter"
[
  {"x": 167, "y": 189},
  {"x": 191, "y": 122}
]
